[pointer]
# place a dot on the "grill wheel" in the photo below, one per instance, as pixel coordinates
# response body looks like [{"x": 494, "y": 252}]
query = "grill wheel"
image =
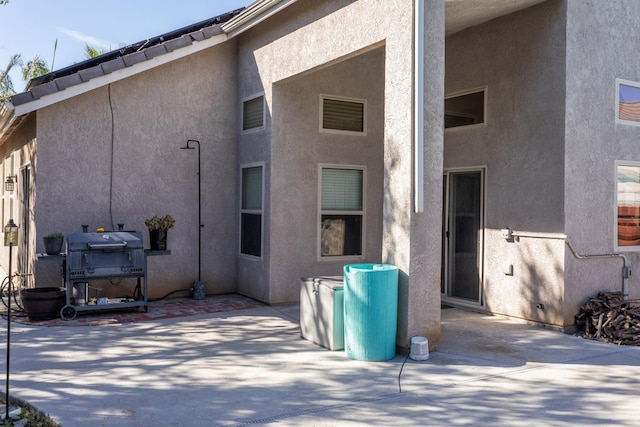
[{"x": 68, "y": 312}]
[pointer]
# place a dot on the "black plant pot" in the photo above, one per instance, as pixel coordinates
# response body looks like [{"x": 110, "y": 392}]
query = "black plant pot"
[
  {"x": 53, "y": 245},
  {"x": 158, "y": 240}
]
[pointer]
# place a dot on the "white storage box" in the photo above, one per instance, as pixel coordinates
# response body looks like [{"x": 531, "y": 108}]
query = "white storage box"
[{"x": 321, "y": 311}]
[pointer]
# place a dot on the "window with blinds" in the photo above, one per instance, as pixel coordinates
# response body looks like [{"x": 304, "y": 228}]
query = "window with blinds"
[
  {"x": 251, "y": 212},
  {"x": 341, "y": 212},
  {"x": 253, "y": 113},
  {"x": 343, "y": 115}
]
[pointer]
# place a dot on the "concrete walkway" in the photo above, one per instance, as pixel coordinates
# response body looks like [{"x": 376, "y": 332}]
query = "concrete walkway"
[{"x": 250, "y": 367}]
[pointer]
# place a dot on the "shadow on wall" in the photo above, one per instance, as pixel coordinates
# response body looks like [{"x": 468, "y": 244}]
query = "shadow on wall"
[
  {"x": 538, "y": 289},
  {"x": 396, "y": 228},
  {"x": 542, "y": 286}
]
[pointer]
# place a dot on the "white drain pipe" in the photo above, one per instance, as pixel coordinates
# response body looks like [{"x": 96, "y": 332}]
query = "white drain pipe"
[{"x": 418, "y": 107}]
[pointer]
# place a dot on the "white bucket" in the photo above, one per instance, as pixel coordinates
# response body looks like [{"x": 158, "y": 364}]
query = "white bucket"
[
  {"x": 419, "y": 348},
  {"x": 81, "y": 291}
]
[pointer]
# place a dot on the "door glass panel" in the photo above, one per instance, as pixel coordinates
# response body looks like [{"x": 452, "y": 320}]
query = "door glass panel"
[{"x": 465, "y": 226}]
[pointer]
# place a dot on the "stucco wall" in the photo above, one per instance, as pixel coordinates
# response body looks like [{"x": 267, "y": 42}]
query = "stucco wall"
[
  {"x": 117, "y": 150},
  {"x": 299, "y": 147},
  {"x": 18, "y": 153},
  {"x": 309, "y": 36},
  {"x": 602, "y": 45},
  {"x": 520, "y": 58}
]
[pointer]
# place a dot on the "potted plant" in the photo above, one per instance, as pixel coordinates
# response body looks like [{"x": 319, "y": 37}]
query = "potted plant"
[
  {"x": 158, "y": 227},
  {"x": 53, "y": 243}
]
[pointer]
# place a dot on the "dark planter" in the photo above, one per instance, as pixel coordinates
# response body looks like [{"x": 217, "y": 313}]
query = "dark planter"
[
  {"x": 158, "y": 240},
  {"x": 42, "y": 303},
  {"x": 53, "y": 245}
]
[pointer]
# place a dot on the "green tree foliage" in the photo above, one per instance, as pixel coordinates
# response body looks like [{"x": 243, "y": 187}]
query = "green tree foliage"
[
  {"x": 34, "y": 68},
  {"x": 6, "y": 85},
  {"x": 92, "y": 52}
]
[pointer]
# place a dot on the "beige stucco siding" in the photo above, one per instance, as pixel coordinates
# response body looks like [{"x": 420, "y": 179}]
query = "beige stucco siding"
[
  {"x": 18, "y": 153},
  {"x": 322, "y": 47},
  {"x": 602, "y": 45},
  {"x": 299, "y": 148},
  {"x": 520, "y": 59},
  {"x": 112, "y": 156}
]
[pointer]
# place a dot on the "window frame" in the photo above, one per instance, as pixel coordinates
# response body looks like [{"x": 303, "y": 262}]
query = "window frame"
[
  {"x": 243, "y": 102},
  {"x": 361, "y": 213},
  {"x": 243, "y": 211},
  {"x": 340, "y": 131},
  {"x": 485, "y": 119},
  {"x": 618, "y": 120},
  {"x": 618, "y": 247}
]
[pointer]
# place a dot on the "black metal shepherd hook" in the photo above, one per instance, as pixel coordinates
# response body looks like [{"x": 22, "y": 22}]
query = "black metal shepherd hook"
[{"x": 200, "y": 224}]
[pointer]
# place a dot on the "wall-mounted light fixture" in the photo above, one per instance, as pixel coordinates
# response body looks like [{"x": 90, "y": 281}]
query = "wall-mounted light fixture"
[
  {"x": 10, "y": 183},
  {"x": 11, "y": 234}
]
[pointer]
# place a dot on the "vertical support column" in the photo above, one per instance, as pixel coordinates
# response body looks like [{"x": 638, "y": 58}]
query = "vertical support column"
[
  {"x": 426, "y": 227},
  {"x": 399, "y": 154},
  {"x": 419, "y": 286}
]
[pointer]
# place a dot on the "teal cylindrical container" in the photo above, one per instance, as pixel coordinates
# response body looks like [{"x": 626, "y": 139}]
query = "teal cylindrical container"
[{"x": 370, "y": 311}]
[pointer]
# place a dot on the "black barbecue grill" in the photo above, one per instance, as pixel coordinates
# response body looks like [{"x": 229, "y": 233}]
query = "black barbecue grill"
[{"x": 105, "y": 255}]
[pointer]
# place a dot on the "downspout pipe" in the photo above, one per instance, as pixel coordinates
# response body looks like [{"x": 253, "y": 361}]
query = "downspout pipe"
[
  {"x": 626, "y": 270},
  {"x": 418, "y": 106}
]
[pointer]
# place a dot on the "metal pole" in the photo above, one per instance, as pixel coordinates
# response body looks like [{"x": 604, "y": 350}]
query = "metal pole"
[
  {"x": 199, "y": 217},
  {"x": 200, "y": 224},
  {"x": 6, "y": 409}
]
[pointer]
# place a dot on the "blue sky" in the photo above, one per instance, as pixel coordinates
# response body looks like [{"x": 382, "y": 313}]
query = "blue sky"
[{"x": 31, "y": 27}]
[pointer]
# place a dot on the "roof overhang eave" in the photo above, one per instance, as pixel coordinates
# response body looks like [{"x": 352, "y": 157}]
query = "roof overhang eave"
[
  {"x": 114, "y": 76},
  {"x": 254, "y": 14},
  {"x": 7, "y": 120}
]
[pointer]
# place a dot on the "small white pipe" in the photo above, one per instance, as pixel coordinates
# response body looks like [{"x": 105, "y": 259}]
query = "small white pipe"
[
  {"x": 557, "y": 236},
  {"x": 418, "y": 106}
]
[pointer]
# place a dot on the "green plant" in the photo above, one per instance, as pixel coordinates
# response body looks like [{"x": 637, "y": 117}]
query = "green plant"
[
  {"x": 160, "y": 222},
  {"x": 53, "y": 235}
]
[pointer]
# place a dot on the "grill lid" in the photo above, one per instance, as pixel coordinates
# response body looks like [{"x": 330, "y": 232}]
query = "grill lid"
[{"x": 113, "y": 240}]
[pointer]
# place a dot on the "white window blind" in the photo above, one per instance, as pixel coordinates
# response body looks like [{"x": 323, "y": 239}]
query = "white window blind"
[
  {"x": 252, "y": 188},
  {"x": 341, "y": 189},
  {"x": 253, "y": 113}
]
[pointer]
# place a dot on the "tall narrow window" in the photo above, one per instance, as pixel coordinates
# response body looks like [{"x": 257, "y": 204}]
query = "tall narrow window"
[
  {"x": 342, "y": 212},
  {"x": 465, "y": 109},
  {"x": 253, "y": 113},
  {"x": 343, "y": 115},
  {"x": 628, "y": 204},
  {"x": 251, "y": 212}
]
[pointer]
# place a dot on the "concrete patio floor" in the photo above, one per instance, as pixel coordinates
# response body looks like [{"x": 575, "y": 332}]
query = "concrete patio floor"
[{"x": 249, "y": 366}]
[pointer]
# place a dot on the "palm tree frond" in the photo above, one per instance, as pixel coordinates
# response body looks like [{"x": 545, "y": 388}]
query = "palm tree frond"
[{"x": 34, "y": 68}]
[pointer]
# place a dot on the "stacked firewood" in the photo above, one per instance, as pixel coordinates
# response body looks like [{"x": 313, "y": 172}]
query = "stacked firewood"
[{"x": 608, "y": 317}]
